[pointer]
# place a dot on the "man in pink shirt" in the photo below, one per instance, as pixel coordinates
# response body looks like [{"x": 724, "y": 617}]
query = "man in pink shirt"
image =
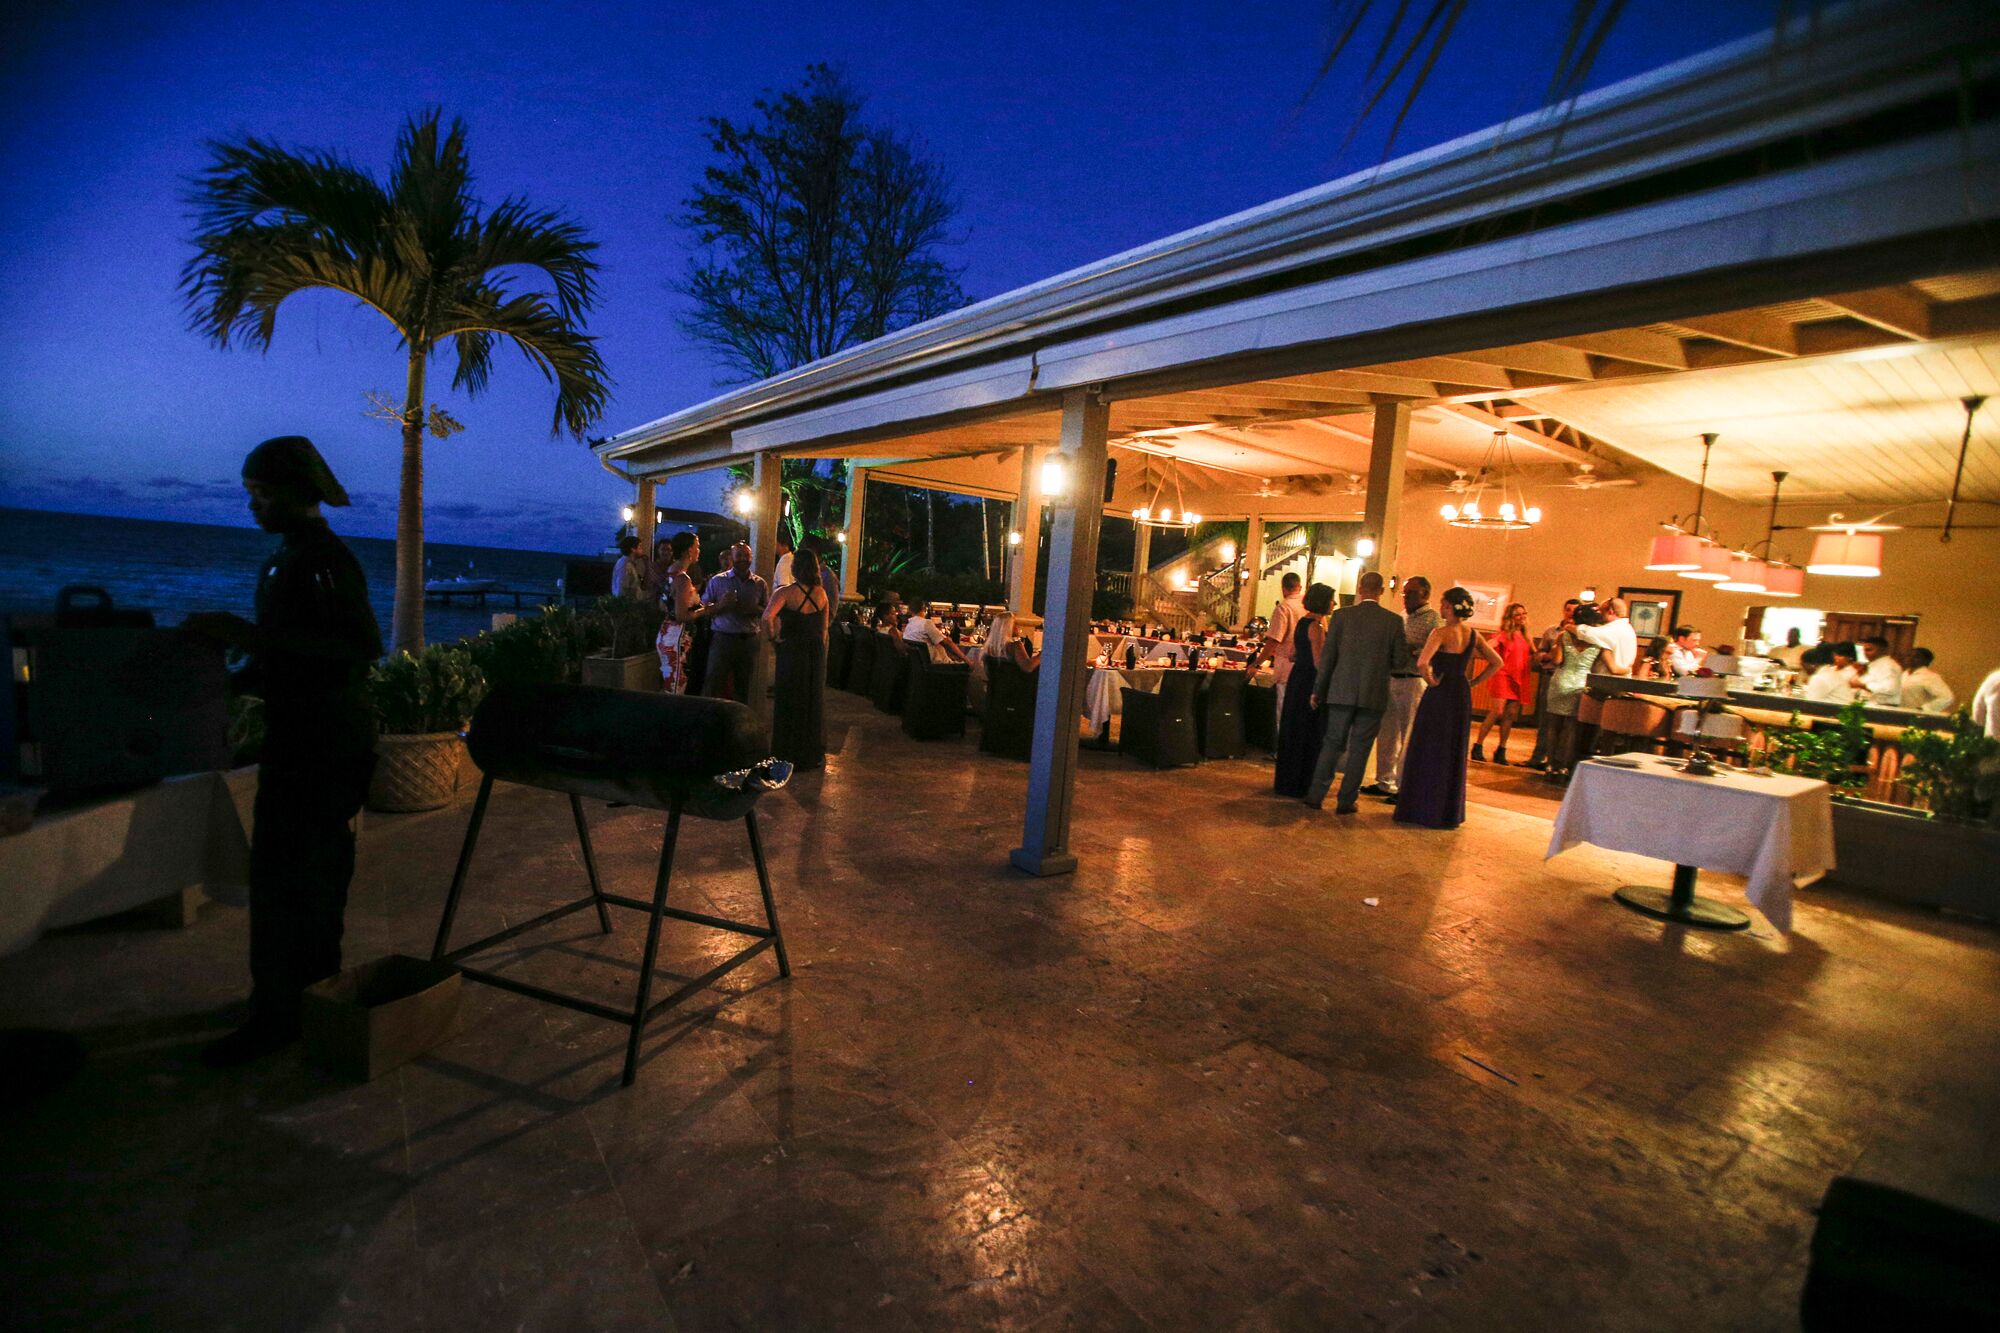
[{"x": 1278, "y": 647}]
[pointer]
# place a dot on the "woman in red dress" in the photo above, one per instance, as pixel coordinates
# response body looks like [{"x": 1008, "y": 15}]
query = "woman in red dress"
[{"x": 1510, "y": 683}]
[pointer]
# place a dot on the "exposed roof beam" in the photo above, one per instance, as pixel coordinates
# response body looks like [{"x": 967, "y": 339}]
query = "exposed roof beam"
[
  {"x": 1334, "y": 428},
  {"x": 1640, "y": 346},
  {"x": 1568, "y": 453},
  {"x": 1747, "y": 328},
  {"x": 1450, "y": 370},
  {"x": 1538, "y": 359},
  {"x": 1902, "y": 311}
]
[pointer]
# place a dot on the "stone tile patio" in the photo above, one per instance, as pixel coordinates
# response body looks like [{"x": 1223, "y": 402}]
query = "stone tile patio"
[{"x": 1202, "y": 1084}]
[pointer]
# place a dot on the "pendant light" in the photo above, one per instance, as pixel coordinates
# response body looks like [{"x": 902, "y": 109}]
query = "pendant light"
[
  {"x": 1773, "y": 577},
  {"x": 1847, "y": 554},
  {"x": 1683, "y": 548},
  {"x": 1746, "y": 574}
]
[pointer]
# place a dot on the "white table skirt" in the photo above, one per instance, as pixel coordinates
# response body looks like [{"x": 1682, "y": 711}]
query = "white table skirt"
[
  {"x": 1776, "y": 831},
  {"x": 121, "y": 853}
]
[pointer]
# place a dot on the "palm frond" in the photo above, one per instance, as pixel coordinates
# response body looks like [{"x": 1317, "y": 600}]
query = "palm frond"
[
  {"x": 430, "y": 183},
  {"x": 554, "y": 345},
  {"x": 514, "y": 234}
]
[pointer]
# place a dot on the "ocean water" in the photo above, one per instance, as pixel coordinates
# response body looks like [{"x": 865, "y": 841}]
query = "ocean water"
[{"x": 171, "y": 569}]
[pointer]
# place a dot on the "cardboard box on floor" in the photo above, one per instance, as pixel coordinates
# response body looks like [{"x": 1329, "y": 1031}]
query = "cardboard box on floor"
[{"x": 372, "y": 1018}]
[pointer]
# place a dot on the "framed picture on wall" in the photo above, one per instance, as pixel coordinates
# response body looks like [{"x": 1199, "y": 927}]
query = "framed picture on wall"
[
  {"x": 1653, "y": 610},
  {"x": 1489, "y": 602}
]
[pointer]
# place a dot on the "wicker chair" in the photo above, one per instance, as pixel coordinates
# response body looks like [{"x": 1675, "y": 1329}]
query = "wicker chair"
[{"x": 1160, "y": 728}]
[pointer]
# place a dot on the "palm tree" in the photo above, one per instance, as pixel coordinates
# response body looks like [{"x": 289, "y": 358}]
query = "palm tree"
[{"x": 420, "y": 250}]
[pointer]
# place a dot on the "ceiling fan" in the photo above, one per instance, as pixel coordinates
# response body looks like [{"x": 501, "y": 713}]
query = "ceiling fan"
[{"x": 1586, "y": 479}]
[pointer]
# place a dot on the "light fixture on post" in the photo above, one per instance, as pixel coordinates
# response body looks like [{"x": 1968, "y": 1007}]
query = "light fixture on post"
[
  {"x": 1055, "y": 477},
  {"x": 1177, "y": 515},
  {"x": 744, "y": 503},
  {"x": 840, "y": 537},
  {"x": 1684, "y": 548},
  {"x": 1511, "y": 510},
  {"x": 1014, "y": 537},
  {"x": 1365, "y": 546},
  {"x": 626, "y": 513}
]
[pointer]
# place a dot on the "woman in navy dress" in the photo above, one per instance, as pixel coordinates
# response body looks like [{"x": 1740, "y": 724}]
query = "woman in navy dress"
[
  {"x": 1299, "y": 727},
  {"x": 1433, "y": 792}
]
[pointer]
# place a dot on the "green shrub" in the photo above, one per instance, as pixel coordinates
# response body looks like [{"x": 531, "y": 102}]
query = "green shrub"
[
  {"x": 621, "y": 627},
  {"x": 1956, "y": 771},
  {"x": 246, "y": 729},
  {"x": 1831, "y": 755},
  {"x": 541, "y": 650},
  {"x": 436, "y": 690}
]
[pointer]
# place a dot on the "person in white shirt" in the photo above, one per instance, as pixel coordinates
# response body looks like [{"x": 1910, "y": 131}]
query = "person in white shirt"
[
  {"x": 1837, "y": 682},
  {"x": 1790, "y": 653},
  {"x": 922, "y": 629},
  {"x": 1986, "y": 705},
  {"x": 1924, "y": 689},
  {"x": 781, "y": 573},
  {"x": 1684, "y": 654},
  {"x": 1615, "y": 636},
  {"x": 1277, "y": 648},
  {"x": 1883, "y": 677}
]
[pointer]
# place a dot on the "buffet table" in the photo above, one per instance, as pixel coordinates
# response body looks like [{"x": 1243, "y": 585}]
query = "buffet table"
[
  {"x": 127, "y": 851},
  {"x": 1777, "y": 831}
]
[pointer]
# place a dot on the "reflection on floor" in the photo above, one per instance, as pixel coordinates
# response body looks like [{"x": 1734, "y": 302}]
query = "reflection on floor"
[{"x": 1204, "y": 1083}]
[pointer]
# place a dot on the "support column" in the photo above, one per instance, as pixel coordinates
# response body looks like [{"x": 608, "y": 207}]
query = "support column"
[
  {"x": 1027, "y": 521},
  {"x": 851, "y": 531},
  {"x": 767, "y": 493},
  {"x": 1142, "y": 568},
  {"x": 645, "y": 516},
  {"x": 1387, "y": 454},
  {"x": 1253, "y": 564},
  {"x": 1044, "y": 848}
]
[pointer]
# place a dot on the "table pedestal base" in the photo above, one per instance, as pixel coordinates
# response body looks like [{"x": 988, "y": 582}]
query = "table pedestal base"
[{"x": 1680, "y": 905}]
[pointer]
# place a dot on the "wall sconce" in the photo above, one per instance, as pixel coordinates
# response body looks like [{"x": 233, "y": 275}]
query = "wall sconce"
[
  {"x": 745, "y": 502},
  {"x": 626, "y": 513},
  {"x": 1055, "y": 477},
  {"x": 1014, "y": 538},
  {"x": 840, "y": 537},
  {"x": 1228, "y": 552},
  {"x": 1364, "y": 547},
  {"x": 1587, "y": 595}
]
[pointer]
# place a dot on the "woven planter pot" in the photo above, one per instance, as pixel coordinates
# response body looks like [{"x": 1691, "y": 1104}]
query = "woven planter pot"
[{"x": 415, "y": 772}]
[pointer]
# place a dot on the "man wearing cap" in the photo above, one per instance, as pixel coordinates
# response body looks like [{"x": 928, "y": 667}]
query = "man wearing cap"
[{"x": 310, "y": 649}]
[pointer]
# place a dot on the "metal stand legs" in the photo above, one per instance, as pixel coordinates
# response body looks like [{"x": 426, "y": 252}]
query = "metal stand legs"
[
  {"x": 1681, "y": 906},
  {"x": 645, "y": 1007}
]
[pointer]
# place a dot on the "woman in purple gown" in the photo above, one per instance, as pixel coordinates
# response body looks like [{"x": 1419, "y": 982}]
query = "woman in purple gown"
[
  {"x": 1299, "y": 727},
  {"x": 1433, "y": 792}
]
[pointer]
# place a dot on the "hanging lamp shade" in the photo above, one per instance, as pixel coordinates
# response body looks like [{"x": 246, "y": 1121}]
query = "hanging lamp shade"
[
  {"x": 1784, "y": 581},
  {"x": 1746, "y": 574},
  {"x": 1675, "y": 552},
  {"x": 1713, "y": 566},
  {"x": 1850, "y": 554}
]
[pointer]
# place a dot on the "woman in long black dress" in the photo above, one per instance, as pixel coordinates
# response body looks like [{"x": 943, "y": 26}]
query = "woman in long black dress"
[
  {"x": 801, "y": 612},
  {"x": 1433, "y": 792},
  {"x": 1299, "y": 727}
]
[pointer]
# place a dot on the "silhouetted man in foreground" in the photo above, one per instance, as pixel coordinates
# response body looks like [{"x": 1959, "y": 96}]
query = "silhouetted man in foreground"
[{"x": 309, "y": 653}]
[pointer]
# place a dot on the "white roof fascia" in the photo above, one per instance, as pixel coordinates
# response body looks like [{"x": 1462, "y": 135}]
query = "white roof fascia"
[
  {"x": 1860, "y": 57},
  {"x": 965, "y": 391},
  {"x": 1905, "y": 190}
]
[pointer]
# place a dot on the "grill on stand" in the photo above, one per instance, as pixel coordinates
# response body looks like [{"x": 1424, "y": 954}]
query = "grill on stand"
[{"x": 687, "y": 756}]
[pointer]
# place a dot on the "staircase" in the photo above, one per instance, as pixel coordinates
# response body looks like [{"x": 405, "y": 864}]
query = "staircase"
[{"x": 1213, "y": 599}]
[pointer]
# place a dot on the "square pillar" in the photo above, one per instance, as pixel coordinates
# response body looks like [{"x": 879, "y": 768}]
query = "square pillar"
[
  {"x": 1253, "y": 565},
  {"x": 1142, "y": 567},
  {"x": 1027, "y": 520},
  {"x": 646, "y": 516},
  {"x": 851, "y": 532},
  {"x": 767, "y": 494},
  {"x": 1044, "y": 848},
  {"x": 1388, "y": 451}
]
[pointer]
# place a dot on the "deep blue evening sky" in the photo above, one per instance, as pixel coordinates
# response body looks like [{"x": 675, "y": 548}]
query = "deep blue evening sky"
[{"x": 1072, "y": 130}]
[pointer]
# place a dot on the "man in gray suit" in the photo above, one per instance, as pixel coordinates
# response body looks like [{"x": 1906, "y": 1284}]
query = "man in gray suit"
[{"x": 1364, "y": 643}]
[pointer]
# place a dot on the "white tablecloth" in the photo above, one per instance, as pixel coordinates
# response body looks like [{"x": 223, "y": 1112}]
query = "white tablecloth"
[
  {"x": 1101, "y": 698},
  {"x": 124, "y": 852},
  {"x": 1776, "y": 831}
]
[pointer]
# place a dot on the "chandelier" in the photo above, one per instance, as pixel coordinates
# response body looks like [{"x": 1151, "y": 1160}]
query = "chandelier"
[
  {"x": 1175, "y": 515},
  {"x": 1511, "y": 511}
]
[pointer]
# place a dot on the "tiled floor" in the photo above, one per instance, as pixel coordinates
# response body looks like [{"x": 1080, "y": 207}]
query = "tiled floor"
[{"x": 1201, "y": 1084}]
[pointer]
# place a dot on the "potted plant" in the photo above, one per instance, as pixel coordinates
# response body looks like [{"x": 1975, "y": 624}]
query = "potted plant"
[
  {"x": 1939, "y": 857},
  {"x": 422, "y": 703},
  {"x": 627, "y": 658},
  {"x": 546, "y": 650}
]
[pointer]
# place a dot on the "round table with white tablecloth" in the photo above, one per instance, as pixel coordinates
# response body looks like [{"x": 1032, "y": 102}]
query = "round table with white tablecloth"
[{"x": 1776, "y": 830}]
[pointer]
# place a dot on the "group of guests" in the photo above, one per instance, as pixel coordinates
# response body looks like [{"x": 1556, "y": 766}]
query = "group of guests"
[
  {"x": 1362, "y": 680},
  {"x": 710, "y": 628}
]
